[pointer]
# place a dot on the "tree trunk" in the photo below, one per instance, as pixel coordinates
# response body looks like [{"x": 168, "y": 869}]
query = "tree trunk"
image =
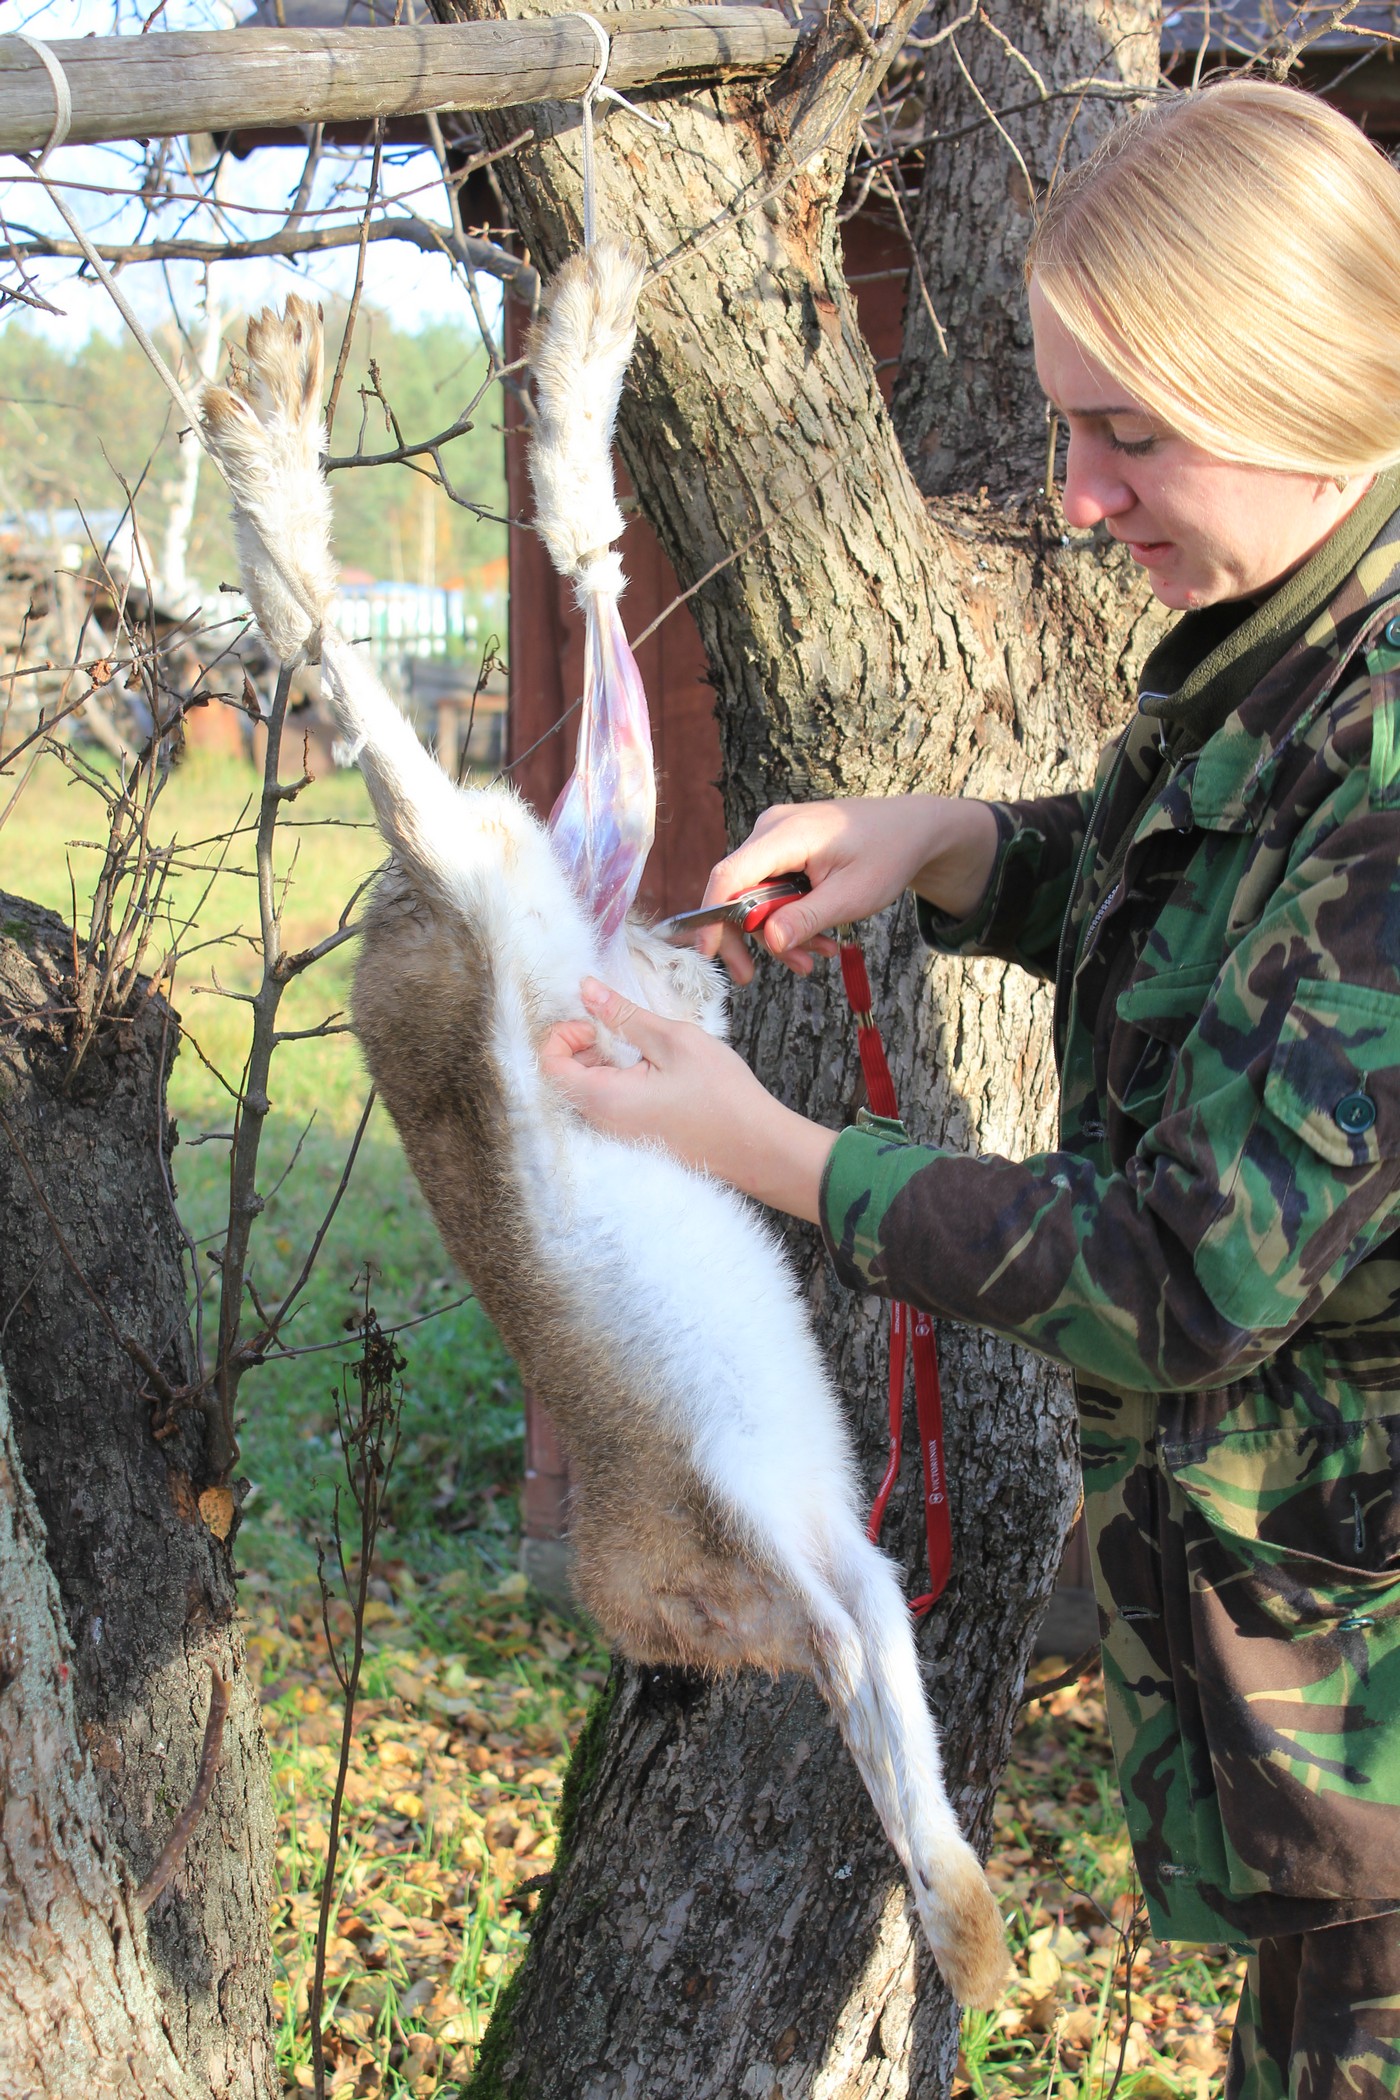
[
  {"x": 79, "y": 2011},
  {"x": 975, "y": 416},
  {"x": 90, "y": 1255},
  {"x": 726, "y": 1918}
]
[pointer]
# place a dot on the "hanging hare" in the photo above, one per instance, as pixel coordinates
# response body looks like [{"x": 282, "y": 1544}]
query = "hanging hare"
[{"x": 716, "y": 1511}]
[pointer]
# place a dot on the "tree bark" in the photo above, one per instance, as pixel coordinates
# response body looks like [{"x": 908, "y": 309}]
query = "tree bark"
[
  {"x": 90, "y": 1256},
  {"x": 79, "y": 2010},
  {"x": 726, "y": 1918},
  {"x": 974, "y": 416}
]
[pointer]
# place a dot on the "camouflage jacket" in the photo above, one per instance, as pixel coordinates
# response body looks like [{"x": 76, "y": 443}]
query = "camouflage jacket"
[{"x": 1214, "y": 1249}]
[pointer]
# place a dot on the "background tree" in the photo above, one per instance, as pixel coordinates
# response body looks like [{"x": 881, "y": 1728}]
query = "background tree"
[
  {"x": 726, "y": 1918},
  {"x": 97, "y": 1336}
]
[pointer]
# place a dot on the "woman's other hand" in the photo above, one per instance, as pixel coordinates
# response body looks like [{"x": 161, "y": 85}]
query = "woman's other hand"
[
  {"x": 693, "y": 1095},
  {"x": 858, "y": 855}
]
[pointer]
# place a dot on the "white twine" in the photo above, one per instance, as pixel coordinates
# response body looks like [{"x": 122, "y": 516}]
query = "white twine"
[
  {"x": 63, "y": 103},
  {"x": 600, "y": 575},
  {"x": 597, "y": 87},
  {"x": 62, "y": 93},
  {"x": 590, "y": 95},
  {"x": 187, "y": 407},
  {"x": 127, "y": 311}
]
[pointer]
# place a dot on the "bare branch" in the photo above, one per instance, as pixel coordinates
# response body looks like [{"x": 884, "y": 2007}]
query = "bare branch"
[
  {"x": 352, "y": 316},
  {"x": 160, "y": 1874},
  {"x": 244, "y": 1201},
  {"x": 277, "y": 1320},
  {"x": 470, "y": 250}
]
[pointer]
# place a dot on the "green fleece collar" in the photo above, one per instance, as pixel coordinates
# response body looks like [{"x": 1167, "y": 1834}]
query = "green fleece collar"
[{"x": 1210, "y": 662}]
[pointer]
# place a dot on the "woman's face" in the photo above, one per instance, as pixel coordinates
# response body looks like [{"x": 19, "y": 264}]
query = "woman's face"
[{"x": 1206, "y": 530}]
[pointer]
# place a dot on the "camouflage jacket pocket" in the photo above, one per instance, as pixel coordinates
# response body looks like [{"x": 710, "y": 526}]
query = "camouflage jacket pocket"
[
  {"x": 1294, "y": 1530},
  {"x": 1154, "y": 1017},
  {"x": 1335, "y": 1076}
]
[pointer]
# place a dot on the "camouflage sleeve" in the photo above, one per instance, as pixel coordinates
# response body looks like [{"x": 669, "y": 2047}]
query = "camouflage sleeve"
[
  {"x": 1272, "y": 1168},
  {"x": 1024, "y": 906}
]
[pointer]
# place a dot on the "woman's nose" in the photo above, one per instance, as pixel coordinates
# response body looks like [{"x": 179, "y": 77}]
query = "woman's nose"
[{"x": 1094, "y": 485}]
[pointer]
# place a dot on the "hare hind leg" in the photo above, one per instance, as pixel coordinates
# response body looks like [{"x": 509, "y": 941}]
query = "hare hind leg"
[
  {"x": 887, "y": 1725},
  {"x": 665, "y": 1592}
]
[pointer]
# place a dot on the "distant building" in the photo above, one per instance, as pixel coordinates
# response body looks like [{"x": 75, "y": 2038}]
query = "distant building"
[{"x": 401, "y": 620}]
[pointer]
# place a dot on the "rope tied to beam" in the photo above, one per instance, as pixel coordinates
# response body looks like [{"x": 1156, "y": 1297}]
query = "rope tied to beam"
[
  {"x": 63, "y": 117},
  {"x": 62, "y": 96},
  {"x": 597, "y": 87}
]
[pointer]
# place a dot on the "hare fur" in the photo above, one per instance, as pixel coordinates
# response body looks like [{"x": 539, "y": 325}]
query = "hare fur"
[{"x": 716, "y": 1517}]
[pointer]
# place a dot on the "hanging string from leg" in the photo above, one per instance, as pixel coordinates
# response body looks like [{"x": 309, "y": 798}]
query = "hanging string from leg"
[{"x": 597, "y": 87}]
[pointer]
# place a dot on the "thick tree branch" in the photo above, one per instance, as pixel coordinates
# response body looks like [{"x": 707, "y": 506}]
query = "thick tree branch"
[{"x": 469, "y": 250}]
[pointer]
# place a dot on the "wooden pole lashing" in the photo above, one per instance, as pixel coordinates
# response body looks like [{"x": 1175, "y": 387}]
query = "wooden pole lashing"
[{"x": 138, "y": 87}]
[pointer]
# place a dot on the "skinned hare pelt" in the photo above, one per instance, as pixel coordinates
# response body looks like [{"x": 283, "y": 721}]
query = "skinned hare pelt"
[{"x": 716, "y": 1514}]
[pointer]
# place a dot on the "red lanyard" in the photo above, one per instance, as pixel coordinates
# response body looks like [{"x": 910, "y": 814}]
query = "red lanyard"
[{"x": 928, "y": 1398}]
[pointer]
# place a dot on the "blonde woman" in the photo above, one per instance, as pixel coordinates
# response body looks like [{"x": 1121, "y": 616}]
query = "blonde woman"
[{"x": 1214, "y": 1246}]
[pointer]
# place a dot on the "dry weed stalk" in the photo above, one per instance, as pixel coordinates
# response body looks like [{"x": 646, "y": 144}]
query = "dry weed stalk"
[{"x": 368, "y": 1407}]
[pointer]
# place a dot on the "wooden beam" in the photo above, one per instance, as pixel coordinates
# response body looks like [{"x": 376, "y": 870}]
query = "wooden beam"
[{"x": 137, "y": 87}]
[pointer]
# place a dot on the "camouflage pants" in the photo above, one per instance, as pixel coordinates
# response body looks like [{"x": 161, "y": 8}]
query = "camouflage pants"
[{"x": 1319, "y": 2016}]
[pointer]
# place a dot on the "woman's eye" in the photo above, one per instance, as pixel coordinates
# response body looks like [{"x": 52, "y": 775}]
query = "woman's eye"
[{"x": 1136, "y": 448}]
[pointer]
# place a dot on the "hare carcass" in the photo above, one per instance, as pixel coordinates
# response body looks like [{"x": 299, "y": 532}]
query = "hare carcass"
[{"x": 715, "y": 1518}]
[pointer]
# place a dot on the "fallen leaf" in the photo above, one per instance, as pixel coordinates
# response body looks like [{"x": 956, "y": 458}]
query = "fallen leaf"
[
  {"x": 1043, "y": 1968},
  {"x": 1080, "y": 2026},
  {"x": 1042, "y": 2011},
  {"x": 216, "y": 1507}
]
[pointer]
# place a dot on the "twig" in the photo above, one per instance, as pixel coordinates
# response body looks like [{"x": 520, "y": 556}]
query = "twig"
[
  {"x": 209, "y": 1756},
  {"x": 941, "y": 36},
  {"x": 995, "y": 121},
  {"x": 438, "y": 1312},
  {"x": 187, "y": 1238},
  {"x": 297, "y": 209},
  {"x": 490, "y": 657},
  {"x": 1131, "y": 1936},
  {"x": 892, "y": 183},
  {"x": 1041, "y": 1687},
  {"x": 244, "y": 1201},
  {"x": 1085, "y": 91},
  {"x": 369, "y": 1442},
  {"x": 277, "y": 1320},
  {"x": 355, "y": 297},
  {"x": 1013, "y": 52},
  {"x": 868, "y": 46},
  {"x": 1201, "y": 52}
]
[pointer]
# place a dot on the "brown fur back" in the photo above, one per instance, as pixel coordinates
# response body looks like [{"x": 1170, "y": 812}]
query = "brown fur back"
[{"x": 654, "y": 1560}]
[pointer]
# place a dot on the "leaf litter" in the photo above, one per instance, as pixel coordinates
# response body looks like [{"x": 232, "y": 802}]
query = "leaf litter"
[{"x": 473, "y": 1700}]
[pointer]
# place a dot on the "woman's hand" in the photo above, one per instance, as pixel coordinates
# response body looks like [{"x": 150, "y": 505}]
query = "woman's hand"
[
  {"x": 858, "y": 856},
  {"x": 693, "y": 1095}
]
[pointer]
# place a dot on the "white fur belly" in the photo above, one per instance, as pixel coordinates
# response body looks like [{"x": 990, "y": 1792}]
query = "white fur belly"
[{"x": 690, "y": 1293}]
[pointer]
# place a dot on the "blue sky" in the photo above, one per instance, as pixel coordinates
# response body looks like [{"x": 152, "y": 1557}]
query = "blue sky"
[{"x": 413, "y": 287}]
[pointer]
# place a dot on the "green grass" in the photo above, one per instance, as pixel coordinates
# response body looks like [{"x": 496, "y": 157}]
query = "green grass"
[
  {"x": 473, "y": 1692},
  {"x": 461, "y": 1461}
]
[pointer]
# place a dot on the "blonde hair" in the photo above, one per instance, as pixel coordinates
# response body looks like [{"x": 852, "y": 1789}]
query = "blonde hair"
[{"x": 1232, "y": 256}]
